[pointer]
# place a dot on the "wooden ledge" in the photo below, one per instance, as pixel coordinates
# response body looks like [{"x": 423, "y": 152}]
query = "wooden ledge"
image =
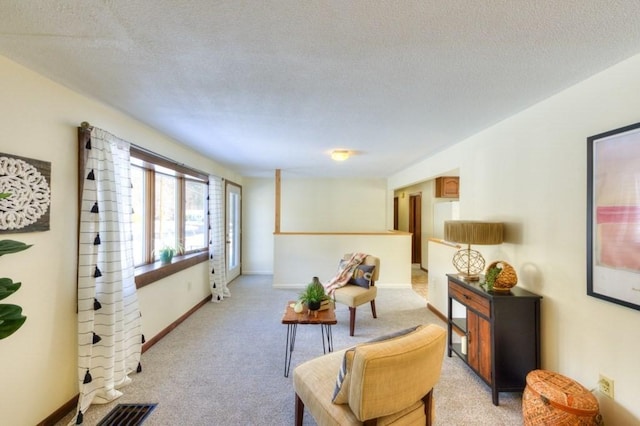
[
  {"x": 153, "y": 272},
  {"x": 390, "y": 233},
  {"x": 445, "y": 243}
]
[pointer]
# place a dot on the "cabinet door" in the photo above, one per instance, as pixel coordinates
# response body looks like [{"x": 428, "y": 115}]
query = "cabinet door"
[
  {"x": 479, "y": 340},
  {"x": 447, "y": 187}
]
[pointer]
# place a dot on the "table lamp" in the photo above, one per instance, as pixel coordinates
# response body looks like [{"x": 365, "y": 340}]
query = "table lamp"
[{"x": 470, "y": 263}]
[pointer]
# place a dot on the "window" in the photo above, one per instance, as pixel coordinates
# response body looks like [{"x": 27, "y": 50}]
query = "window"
[
  {"x": 169, "y": 208},
  {"x": 195, "y": 224},
  {"x": 166, "y": 211}
]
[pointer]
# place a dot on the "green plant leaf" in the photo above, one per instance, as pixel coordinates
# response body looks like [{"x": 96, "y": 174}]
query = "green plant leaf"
[
  {"x": 10, "y": 312},
  {"x": 11, "y": 246},
  {"x": 4, "y": 195},
  {"x": 11, "y": 319},
  {"x": 314, "y": 292},
  {"x": 8, "y": 287}
]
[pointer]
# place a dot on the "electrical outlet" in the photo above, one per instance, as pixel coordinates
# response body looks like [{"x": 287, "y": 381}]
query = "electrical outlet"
[{"x": 605, "y": 386}]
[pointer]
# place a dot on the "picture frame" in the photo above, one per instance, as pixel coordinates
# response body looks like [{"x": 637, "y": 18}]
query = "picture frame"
[{"x": 613, "y": 216}]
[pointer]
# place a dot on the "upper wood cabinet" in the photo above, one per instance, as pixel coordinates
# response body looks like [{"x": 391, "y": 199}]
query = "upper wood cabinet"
[{"x": 448, "y": 187}]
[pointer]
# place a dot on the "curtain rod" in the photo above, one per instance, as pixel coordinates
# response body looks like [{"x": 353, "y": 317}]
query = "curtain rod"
[{"x": 87, "y": 127}]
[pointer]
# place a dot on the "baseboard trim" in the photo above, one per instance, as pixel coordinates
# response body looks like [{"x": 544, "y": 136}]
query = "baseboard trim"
[
  {"x": 71, "y": 405},
  {"x": 436, "y": 312},
  {"x": 59, "y": 414},
  {"x": 443, "y": 318},
  {"x": 149, "y": 343}
]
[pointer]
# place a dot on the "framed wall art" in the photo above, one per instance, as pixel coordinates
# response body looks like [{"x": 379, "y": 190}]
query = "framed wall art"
[
  {"x": 613, "y": 216},
  {"x": 25, "y": 194}
]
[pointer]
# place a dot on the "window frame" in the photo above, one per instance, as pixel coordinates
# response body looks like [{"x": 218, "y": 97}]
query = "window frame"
[{"x": 153, "y": 270}]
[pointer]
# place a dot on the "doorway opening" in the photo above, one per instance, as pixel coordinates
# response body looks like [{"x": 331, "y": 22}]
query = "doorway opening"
[{"x": 415, "y": 227}]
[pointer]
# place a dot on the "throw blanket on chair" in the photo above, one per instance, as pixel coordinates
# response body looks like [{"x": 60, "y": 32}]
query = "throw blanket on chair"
[{"x": 345, "y": 272}]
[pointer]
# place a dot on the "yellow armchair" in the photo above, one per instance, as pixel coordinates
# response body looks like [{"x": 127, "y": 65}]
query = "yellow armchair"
[{"x": 388, "y": 382}]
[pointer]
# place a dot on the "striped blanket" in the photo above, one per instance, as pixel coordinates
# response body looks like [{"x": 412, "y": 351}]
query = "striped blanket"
[{"x": 344, "y": 274}]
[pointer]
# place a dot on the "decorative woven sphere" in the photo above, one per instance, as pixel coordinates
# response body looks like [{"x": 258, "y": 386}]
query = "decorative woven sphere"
[{"x": 468, "y": 261}]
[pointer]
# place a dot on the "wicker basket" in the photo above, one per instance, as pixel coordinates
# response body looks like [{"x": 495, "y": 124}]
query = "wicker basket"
[
  {"x": 553, "y": 399},
  {"x": 506, "y": 279}
]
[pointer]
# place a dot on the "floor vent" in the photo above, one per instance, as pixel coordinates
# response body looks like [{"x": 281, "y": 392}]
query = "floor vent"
[{"x": 127, "y": 415}]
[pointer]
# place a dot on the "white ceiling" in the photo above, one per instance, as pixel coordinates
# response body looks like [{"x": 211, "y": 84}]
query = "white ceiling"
[{"x": 261, "y": 85}]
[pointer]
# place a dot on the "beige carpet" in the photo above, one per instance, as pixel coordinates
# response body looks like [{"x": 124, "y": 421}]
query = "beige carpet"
[{"x": 224, "y": 365}]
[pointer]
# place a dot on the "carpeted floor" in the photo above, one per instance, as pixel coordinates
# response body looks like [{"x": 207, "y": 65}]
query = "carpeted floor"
[{"x": 224, "y": 365}]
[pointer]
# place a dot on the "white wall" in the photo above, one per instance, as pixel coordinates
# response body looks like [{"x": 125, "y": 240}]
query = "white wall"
[
  {"x": 258, "y": 225},
  {"x": 426, "y": 190},
  {"x": 440, "y": 256},
  {"x": 39, "y": 119},
  {"x": 166, "y": 300},
  {"x": 299, "y": 257},
  {"x": 307, "y": 205},
  {"x": 530, "y": 172},
  {"x": 333, "y": 205},
  {"x": 428, "y": 209}
]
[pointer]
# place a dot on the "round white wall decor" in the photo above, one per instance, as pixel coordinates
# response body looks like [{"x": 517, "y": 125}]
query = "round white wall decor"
[{"x": 30, "y": 194}]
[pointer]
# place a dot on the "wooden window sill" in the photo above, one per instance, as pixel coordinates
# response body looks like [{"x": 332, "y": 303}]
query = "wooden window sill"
[{"x": 147, "y": 274}]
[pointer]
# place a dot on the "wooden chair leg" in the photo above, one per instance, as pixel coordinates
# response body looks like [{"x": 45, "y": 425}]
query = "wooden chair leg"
[
  {"x": 299, "y": 411},
  {"x": 373, "y": 308},
  {"x": 352, "y": 320},
  {"x": 428, "y": 406}
]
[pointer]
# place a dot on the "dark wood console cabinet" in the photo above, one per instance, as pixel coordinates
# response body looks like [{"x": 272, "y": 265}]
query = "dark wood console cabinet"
[{"x": 502, "y": 332}]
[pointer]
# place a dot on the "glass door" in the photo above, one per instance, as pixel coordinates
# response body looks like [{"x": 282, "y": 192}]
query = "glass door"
[{"x": 233, "y": 229}]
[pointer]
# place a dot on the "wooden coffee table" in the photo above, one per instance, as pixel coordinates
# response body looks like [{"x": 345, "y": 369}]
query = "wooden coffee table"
[{"x": 325, "y": 318}]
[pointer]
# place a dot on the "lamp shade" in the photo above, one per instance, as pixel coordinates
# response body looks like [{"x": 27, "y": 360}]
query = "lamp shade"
[{"x": 473, "y": 232}]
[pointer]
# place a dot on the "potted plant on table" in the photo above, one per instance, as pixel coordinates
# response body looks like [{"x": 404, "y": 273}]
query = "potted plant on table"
[{"x": 313, "y": 295}]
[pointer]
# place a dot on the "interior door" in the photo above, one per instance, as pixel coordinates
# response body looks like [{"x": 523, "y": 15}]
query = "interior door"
[
  {"x": 415, "y": 227},
  {"x": 233, "y": 229},
  {"x": 395, "y": 213}
]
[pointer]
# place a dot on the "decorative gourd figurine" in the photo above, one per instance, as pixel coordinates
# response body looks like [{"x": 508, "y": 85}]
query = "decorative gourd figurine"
[{"x": 500, "y": 277}]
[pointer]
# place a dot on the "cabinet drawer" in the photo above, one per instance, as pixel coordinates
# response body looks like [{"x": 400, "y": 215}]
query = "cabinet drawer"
[{"x": 471, "y": 299}]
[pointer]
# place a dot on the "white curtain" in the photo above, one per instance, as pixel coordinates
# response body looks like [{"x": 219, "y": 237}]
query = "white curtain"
[
  {"x": 217, "y": 241},
  {"x": 109, "y": 333}
]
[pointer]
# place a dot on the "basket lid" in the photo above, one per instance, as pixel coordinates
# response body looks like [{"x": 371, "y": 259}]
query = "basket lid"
[{"x": 563, "y": 393}]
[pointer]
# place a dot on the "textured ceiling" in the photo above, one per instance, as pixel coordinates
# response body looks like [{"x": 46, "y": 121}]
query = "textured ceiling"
[{"x": 261, "y": 85}]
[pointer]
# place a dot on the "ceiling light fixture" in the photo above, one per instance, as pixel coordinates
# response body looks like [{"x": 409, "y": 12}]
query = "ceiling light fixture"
[{"x": 340, "y": 154}]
